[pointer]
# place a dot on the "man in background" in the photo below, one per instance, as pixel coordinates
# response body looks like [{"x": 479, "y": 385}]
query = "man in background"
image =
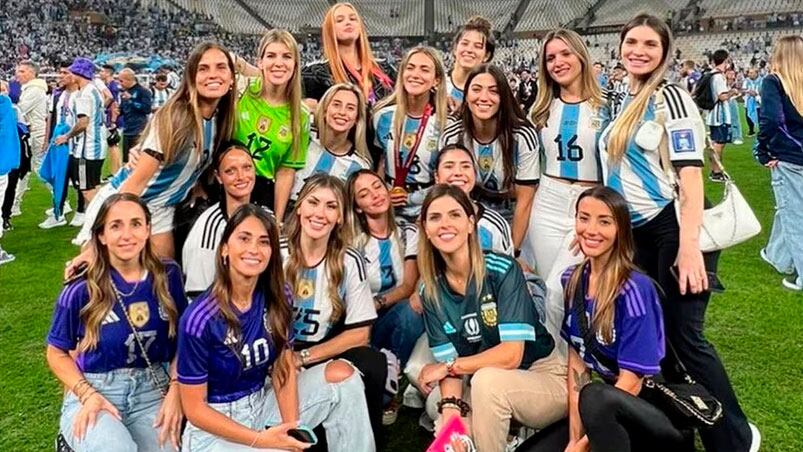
[
  {"x": 112, "y": 87},
  {"x": 135, "y": 107},
  {"x": 33, "y": 105},
  {"x": 161, "y": 92}
]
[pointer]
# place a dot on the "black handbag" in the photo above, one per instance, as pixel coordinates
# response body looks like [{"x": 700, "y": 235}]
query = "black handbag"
[{"x": 685, "y": 402}]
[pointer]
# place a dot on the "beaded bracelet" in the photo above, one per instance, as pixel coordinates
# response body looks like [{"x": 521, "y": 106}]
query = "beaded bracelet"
[{"x": 455, "y": 402}]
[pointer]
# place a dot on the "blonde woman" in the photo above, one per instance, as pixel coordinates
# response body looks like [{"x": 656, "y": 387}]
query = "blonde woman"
[
  {"x": 408, "y": 125},
  {"x": 272, "y": 122},
  {"x": 483, "y": 328},
  {"x": 334, "y": 309},
  {"x": 338, "y": 145},
  {"x": 113, "y": 339},
  {"x": 178, "y": 145},
  {"x": 653, "y": 112},
  {"x": 347, "y": 57},
  {"x": 779, "y": 134}
]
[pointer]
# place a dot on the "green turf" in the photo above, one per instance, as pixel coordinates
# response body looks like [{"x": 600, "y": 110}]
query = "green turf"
[{"x": 754, "y": 325}]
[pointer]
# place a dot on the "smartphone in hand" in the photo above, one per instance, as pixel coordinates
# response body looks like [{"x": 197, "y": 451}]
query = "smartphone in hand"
[{"x": 303, "y": 434}]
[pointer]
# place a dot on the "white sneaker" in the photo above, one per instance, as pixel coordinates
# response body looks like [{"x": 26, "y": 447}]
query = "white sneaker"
[
  {"x": 765, "y": 258},
  {"x": 53, "y": 222},
  {"x": 792, "y": 284},
  {"x": 412, "y": 398},
  {"x": 16, "y": 211},
  {"x": 77, "y": 220},
  {"x": 67, "y": 209},
  {"x": 5, "y": 257},
  {"x": 755, "y": 443}
]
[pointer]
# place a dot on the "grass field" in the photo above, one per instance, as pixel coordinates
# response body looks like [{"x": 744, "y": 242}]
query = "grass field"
[{"x": 755, "y": 325}]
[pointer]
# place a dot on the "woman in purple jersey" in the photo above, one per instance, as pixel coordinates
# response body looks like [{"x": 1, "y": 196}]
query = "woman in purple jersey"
[
  {"x": 239, "y": 333},
  {"x": 113, "y": 335}
]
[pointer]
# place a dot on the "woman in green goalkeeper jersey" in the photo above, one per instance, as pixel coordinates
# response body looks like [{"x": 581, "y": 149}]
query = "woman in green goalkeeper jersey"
[{"x": 271, "y": 120}]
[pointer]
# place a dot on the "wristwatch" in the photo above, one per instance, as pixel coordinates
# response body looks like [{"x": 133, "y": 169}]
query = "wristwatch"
[{"x": 305, "y": 356}]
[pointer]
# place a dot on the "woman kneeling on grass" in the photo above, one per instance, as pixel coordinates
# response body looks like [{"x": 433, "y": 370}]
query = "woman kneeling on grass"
[
  {"x": 482, "y": 323},
  {"x": 236, "y": 335},
  {"x": 113, "y": 335}
]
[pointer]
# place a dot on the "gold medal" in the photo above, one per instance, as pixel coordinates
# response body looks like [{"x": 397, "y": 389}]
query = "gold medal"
[{"x": 398, "y": 191}]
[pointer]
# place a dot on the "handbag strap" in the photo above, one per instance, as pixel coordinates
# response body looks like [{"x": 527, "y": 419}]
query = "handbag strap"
[
  {"x": 589, "y": 341},
  {"x": 156, "y": 382}
]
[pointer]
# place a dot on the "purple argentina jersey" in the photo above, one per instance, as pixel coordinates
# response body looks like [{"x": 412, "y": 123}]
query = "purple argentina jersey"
[
  {"x": 638, "y": 334},
  {"x": 206, "y": 352},
  {"x": 117, "y": 348}
]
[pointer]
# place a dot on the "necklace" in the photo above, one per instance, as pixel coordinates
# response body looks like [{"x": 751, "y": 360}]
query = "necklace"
[{"x": 124, "y": 295}]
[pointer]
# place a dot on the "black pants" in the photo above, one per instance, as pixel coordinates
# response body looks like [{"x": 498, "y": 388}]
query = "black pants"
[
  {"x": 615, "y": 421},
  {"x": 128, "y": 142},
  {"x": 10, "y": 194},
  {"x": 684, "y": 320},
  {"x": 751, "y": 125}
]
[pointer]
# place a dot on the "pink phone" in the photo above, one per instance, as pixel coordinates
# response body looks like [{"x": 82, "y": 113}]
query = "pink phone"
[{"x": 454, "y": 428}]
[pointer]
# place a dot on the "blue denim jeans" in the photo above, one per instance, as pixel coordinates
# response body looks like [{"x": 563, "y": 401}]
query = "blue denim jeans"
[
  {"x": 396, "y": 329},
  {"x": 340, "y": 407},
  {"x": 134, "y": 395},
  {"x": 785, "y": 248}
]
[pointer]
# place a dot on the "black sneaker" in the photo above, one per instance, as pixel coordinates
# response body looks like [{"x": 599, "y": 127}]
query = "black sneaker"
[
  {"x": 7, "y": 224},
  {"x": 716, "y": 177}
]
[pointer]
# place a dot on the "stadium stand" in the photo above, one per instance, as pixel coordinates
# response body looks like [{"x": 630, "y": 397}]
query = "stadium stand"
[
  {"x": 617, "y": 12},
  {"x": 450, "y": 14},
  {"x": 726, "y": 8},
  {"x": 290, "y": 15},
  {"x": 543, "y": 15}
]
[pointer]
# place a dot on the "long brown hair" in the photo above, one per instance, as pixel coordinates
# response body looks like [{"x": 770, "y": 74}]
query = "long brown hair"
[
  {"x": 787, "y": 64},
  {"x": 368, "y": 65},
  {"x": 618, "y": 268},
  {"x": 431, "y": 265},
  {"x": 278, "y": 308},
  {"x": 508, "y": 117},
  {"x": 102, "y": 294},
  {"x": 624, "y": 126},
  {"x": 482, "y": 26},
  {"x": 335, "y": 249},
  {"x": 179, "y": 122},
  {"x": 357, "y": 221},
  {"x": 548, "y": 89},
  {"x": 298, "y": 112},
  {"x": 437, "y": 97}
]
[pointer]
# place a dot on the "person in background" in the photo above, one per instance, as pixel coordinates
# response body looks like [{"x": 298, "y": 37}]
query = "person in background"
[
  {"x": 720, "y": 119},
  {"x": 473, "y": 44},
  {"x": 736, "y": 124},
  {"x": 9, "y": 153},
  {"x": 752, "y": 99},
  {"x": 135, "y": 109},
  {"x": 780, "y": 133},
  {"x": 33, "y": 104},
  {"x": 112, "y": 341},
  {"x": 161, "y": 92},
  {"x": 110, "y": 90},
  {"x": 599, "y": 73},
  {"x": 526, "y": 91}
]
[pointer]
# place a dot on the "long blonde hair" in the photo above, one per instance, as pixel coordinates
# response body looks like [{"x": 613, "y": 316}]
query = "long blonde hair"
[
  {"x": 618, "y": 268},
  {"x": 431, "y": 265},
  {"x": 787, "y": 64},
  {"x": 438, "y": 98},
  {"x": 357, "y": 132},
  {"x": 624, "y": 126},
  {"x": 368, "y": 65},
  {"x": 548, "y": 89},
  {"x": 298, "y": 112},
  {"x": 102, "y": 294},
  {"x": 335, "y": 249},
  {"x": 180, "y": 122}
]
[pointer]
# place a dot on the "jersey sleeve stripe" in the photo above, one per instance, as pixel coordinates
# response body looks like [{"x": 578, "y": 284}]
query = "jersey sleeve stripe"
[
  {"x": 529, "y": 135},
  {"x": 193, "y": 380},
  {"x": 360, "y": 262},
  {"x": 444, "y": 352},
  {"x": 677, "y": 107},
  {"x": 509, "y": 332},
  {"x": 501, "y": 264}
]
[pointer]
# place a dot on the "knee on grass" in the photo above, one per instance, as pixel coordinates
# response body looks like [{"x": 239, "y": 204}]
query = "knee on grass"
[{"x": 338, "y": 371}]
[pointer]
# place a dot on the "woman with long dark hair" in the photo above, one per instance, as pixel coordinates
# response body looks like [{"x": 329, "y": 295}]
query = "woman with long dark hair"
[
  {"x": 473, "y": 44},
  {"x": 112, "y": 341},
  {"x": 239, "y": 333}
]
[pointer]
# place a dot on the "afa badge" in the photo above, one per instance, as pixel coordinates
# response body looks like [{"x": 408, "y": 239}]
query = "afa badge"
[
  {"x": 486, "y": 162},
  {"x": 409, "y": 140},
  {"x": 139, "y": 313},
  {"x": 489, "y": 315},
  {"x": 432, "y": 145},
  {"x": 283, "y": 132},
  {"x": 596, "y": 123},
  {"x": 305, "y": 289},
  {"x": 682, "y": 140},
  {"x": 263, "y": 124}
]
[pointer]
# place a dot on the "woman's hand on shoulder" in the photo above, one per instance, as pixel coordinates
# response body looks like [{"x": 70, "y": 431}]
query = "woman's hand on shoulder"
[
  {"x": 89, "y": 412},
  {"x": 169, "y": 418},
  {"x": 77, "y": 266}
]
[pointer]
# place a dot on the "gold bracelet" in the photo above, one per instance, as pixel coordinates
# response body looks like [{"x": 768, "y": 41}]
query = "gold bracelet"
[{"x": 78, "y": 383}]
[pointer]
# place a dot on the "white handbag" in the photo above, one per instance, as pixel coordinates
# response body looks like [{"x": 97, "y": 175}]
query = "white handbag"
[{"x": 726, "y": 224}]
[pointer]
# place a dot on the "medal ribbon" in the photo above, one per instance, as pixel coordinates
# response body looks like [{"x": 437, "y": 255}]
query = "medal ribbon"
[{"x": 403, "y": 168}]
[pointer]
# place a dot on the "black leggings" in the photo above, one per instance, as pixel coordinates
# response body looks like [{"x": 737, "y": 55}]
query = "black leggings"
[
  {"x": 10, "y": 194},
  {"x": 615, "y": 421},
  {"x": 657, "y": 244}
]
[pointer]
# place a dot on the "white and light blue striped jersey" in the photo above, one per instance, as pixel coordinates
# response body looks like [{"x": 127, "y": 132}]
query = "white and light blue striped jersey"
[
  {"x": 639, "y": 176},
  {"x": 312, "y": 306},
  {"x": 91, "y": 143},
  {"x": 424, "y": 161},
  {"x": 570, "y": 138},
  {"x": 753, "y": 85},
  {"x": 453, "y": 91},
  {"x": 721, "y": 113},
  {"x": 490, "y": 164},
  {"x": 65, "y": 109},
  {"x": 493, "y": 231},
  {"x": 385, "y": 257},
  {"x": 160, "y": 97},
  {"x": 321, "y": 160},
  {"x": 173, "y": 180}
]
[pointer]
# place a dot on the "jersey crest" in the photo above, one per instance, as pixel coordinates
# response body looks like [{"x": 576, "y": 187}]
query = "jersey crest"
[
  {"x": 305, "y": 289},
  {"x": 488, "y": 311},
  {"x": 263, "y": 124},
  {"x": 139, "y": 313}
]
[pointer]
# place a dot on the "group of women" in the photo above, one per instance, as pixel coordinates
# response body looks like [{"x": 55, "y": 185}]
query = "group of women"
[{"x": 420, "y": 204}]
